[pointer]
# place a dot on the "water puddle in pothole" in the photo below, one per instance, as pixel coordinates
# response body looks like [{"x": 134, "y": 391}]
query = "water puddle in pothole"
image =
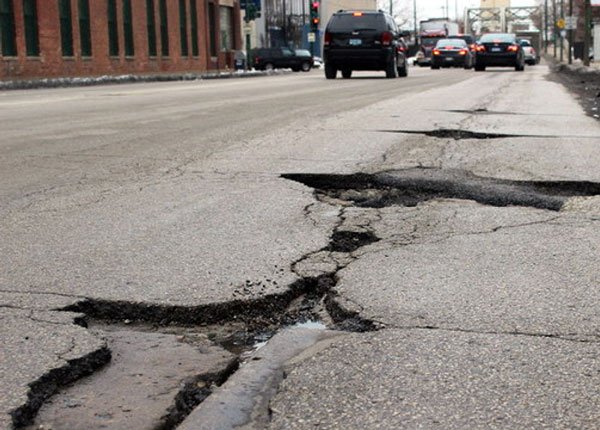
[{"x": 261, "y": 340}]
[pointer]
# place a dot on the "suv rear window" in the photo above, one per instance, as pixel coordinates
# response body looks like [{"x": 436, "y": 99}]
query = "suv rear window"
[
  {"x": 497, "y": 38},
  {"x": 348, "y": 22}
]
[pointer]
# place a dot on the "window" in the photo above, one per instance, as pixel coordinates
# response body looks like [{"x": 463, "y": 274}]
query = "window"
[
  {"x": 85, "y": 35},
  {"x": 226, "y": 21},
  {"x": 32, "y": 42},
  {"x": 194, "y": 13},
  {"x": 66, "y": 27},
  {"x": 164, "y": 29},
  {"x": 212, "y": 30},
  {"x": 150, "y": 22},
  {"x": 7, "y": 27},
  {"x": 183, "y": 28},
  {"x": 113, "y": 32},
  {"x": 128, "y": 28}
]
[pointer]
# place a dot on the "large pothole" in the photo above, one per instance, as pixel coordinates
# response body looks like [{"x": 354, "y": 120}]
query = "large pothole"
[
  {"x": 167, "y": 359},
  {"x": 412, "y": 186}
]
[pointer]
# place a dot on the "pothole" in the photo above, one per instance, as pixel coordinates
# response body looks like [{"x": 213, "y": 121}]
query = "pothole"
[
  {"x": 413, "y": 186},
  {"x": 168, "y": 359},
  {"x": 350, "y": 241},
  {"x": 458, "y": 134}
]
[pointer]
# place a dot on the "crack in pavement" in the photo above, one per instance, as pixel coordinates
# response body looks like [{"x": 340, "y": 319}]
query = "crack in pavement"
[{"x": 569, "y": 337}]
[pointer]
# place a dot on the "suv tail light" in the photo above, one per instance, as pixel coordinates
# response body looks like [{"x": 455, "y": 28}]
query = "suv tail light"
[
  {"x": 327, "y": 38},
  {"x": 436, "y": 52},
  {"x": 386, "y": 38}
]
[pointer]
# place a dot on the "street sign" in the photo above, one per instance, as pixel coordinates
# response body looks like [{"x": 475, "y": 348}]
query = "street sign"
[
  {"x": 560, "y": 23},
  {"x": 571, "y": 22},
  {"x": 311, "y": 37}
]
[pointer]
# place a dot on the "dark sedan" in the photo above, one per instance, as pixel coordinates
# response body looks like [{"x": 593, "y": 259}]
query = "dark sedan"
[
  {"x": 499, "y": 50},
  {"x": 451, "y": 53}
]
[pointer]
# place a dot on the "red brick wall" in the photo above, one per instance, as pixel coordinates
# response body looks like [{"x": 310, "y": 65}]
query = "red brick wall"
[{"x": 51, "y": 63}]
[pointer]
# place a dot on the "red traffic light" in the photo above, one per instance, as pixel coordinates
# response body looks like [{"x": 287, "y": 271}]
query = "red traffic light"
[{"x": 315, "y": 4}]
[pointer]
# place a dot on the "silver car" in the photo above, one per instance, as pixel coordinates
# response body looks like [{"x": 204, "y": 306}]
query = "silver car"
[{"x": 529, "y": 53}]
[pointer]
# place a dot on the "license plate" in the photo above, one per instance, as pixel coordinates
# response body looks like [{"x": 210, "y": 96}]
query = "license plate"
[
  {"x": 496, "y": 49},
  {"x": 355, "y": 42},
  {"x": 449, "y": 59}
]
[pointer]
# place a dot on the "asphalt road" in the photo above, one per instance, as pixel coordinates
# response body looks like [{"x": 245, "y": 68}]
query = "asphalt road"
[{"x": 156, "y": 206}]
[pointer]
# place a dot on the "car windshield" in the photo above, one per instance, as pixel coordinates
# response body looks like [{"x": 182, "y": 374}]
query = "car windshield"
[
  {"x": 356, "y": 22},
  {"x": 497, "y": 38},
  {"x": 455, "y": 43}
]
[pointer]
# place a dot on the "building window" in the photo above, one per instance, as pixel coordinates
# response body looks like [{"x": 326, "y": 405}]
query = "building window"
[
  {"x": 113, "y": 32},
  {"x": 164, "y": 29},
  {"x": 194, "y": 13},
  {"x": 7, "y": 27},
  {"x": 183, "y": 28},
  {"x": 151, "y": 25},
  {"x": 226, "y": 27},
  {"x": 66, "y": 27},
  {"x": 128, "y": 28},
  {"x": 32, "y": 42},
  {"x": 85, "y": 34},
  {"x": 212, "y": 30}
]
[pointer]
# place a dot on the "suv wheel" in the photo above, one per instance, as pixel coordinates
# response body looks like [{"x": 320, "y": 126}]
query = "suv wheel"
[
  {"x": 403, "y": 71},
  {"x": 346, "y": 74},
  {"x": 305, "y": 66},
  {"x": 269, "y": 67},
  {"x": 390, "y": 69},
  {"x": 330, "y": 71}
]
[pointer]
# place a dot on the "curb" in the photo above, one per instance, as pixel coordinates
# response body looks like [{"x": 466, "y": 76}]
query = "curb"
[{"x": 126, "y": 79}]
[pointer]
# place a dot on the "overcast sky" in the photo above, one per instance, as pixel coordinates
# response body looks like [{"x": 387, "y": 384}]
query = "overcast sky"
[{"x": 436, "y": 8}]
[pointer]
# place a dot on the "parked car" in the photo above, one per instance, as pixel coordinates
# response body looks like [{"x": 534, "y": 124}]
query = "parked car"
[
  {"x": 451, "y": 53},
  {"x": 529, "y": 53},
  {"x": 282, "y": 58},
  {"x": 363, "y": 40},
  {"x": 499, "y": 50}
]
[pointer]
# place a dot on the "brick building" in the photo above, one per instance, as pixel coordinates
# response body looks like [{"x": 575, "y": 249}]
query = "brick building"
[{"x": 54, "y": 38}]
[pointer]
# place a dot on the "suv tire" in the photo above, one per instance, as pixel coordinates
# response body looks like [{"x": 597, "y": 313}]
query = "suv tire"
[
  {"x": 330, "y": 71},
  {"x": 346, "y": 73},
  {"x": 269, "y": 67},
  {"x": 390, "y": 69},
  {"x": 403, "y": 71}
]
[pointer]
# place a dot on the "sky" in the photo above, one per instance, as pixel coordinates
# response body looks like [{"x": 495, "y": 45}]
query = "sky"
[{"x": 436, "y": 8}]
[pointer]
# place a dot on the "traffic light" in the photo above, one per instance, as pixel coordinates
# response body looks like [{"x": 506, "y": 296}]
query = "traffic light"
[{"x": 314, "y": 14}]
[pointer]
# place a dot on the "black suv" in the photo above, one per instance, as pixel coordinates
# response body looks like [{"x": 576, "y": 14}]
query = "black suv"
[
  {"x": 282, "y": 58},
  {"x": 363, "y": 40}
]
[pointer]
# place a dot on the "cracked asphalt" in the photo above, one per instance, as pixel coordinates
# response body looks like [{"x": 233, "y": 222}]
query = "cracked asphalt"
[{"x": 171, "y": 196}]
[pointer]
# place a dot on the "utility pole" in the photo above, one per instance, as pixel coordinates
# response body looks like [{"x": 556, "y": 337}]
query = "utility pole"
[
  {"x": 447, "y": 11},
  {"x": 391, "y": 8},
  {"x": 562, "y": 39},
  {"x": 571, "y": 33},
  {"x": 554, "y": 27},
  {"x": 546, "y": 26},
  {"x": 588, "y": 33},
  {"x": 416, "y": 29}
]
